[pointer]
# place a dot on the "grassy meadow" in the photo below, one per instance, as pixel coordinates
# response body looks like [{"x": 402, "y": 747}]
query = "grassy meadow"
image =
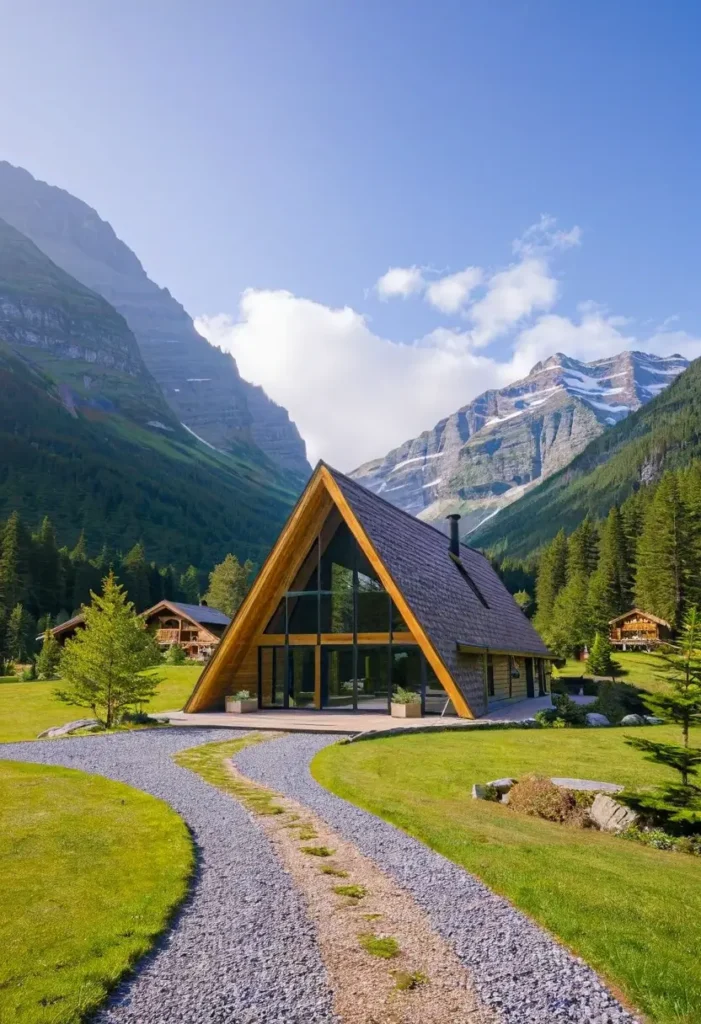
[
  {"x": 26, "y": 709},
  {"x": 632, "y": 912},
  {"x": 78, "y": 904},
  {"x": 636, "y": 668}
]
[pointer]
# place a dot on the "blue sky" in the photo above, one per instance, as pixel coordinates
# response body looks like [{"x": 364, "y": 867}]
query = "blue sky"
[{"x": 301, "y": 148}]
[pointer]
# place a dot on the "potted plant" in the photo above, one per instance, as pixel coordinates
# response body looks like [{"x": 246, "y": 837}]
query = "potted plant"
[
  {"x": 241, "y": 703},
  {"x": 405, "y": 704}
]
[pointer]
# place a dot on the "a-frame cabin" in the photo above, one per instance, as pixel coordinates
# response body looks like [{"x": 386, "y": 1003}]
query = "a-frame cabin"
[{"x": 357, "y": 598}]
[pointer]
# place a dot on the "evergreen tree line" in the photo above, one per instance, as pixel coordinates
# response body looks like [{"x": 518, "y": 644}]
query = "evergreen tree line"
[
  {"x": 42, "y": 584},
  {"x": 646, "y": 554}
]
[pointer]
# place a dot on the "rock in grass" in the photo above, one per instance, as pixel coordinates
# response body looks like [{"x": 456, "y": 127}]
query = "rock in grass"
[
  {"x": 651, "y": 720},
  {"x": 610, "y": 815},
  {"x": 634, "y": 720},
  {"x": 68, "y": 728},
  {"x": 596, "y": 720},
  {"x": 501, "y": 785}
]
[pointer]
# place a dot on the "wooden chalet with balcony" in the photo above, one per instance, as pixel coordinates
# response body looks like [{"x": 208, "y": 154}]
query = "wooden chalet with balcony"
[
  {"x": 638, "y": 630},
  {"x": 196, "y": 628}
]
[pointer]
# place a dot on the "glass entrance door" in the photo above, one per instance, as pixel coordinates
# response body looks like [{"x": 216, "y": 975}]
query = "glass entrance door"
[
  {"x": 271, "y": 677},
  {"x": 286, "y": 677}
]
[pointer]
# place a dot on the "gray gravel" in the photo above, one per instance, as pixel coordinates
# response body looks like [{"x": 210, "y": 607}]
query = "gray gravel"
[
  {"x": 242, "y": 950},
  {"x": 517, "y": 968}
]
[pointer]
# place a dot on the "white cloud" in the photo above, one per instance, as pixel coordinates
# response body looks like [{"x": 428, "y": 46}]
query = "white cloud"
[
  {"x": 512, "y": 295},
  {"x": 400, "y": 282},
  {"x": 355, "y": 395},
  {"x": 449, "y": 294},
  {"x": 544, "y": 236}
]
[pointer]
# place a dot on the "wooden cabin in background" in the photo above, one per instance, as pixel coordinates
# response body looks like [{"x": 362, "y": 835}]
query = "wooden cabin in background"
[
  {"x": 196, "y": 628},
  {"x": 638, "y": 630}
]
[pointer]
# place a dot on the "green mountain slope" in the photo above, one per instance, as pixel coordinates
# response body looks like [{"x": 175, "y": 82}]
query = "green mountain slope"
[
  {"x": 664, "y": 434},
  {"x": 87, "y": 438}
]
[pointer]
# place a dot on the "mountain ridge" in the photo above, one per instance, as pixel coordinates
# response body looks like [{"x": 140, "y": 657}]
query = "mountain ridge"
[
  {"x": 87, "y": 437},
  {"x": 663, "y": 434},
  {"x": 200, "y": 383},
  {"x": 505, "y": 441}
]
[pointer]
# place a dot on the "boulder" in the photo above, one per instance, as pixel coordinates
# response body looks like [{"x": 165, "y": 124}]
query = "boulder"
[
  {"x": 67, "y": 729},
  {"x": 634, "y": 720},
  {"x": 651, "y": 720},
  {"x": 611, "y": 816},
  {"x": 501, "y": 785},
  {"x": 588, "y": 785},
  {"x": 596, "y": 720}
]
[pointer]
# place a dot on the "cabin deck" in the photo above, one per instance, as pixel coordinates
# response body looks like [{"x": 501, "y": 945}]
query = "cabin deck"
[{"x": 347, "y": 722}]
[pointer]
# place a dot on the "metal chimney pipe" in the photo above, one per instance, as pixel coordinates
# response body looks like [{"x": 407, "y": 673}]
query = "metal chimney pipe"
[{"x": 454, "y": 534}]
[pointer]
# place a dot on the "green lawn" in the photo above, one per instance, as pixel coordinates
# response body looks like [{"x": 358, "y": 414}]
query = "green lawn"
[
  {"x": 632, "y": 912},
  {"x": 638, "y": 669},
  {"x": 78, "y": 904},
  {"x": 26, "y": 709}
]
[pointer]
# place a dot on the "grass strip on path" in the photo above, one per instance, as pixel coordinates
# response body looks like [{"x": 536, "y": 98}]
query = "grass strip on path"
[
  {"x": 632, "y": 912},
  {"x": 91, "y": 872}
]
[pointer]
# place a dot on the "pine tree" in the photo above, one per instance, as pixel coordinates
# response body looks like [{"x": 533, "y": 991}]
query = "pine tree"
[
  {"x": 49, "y": 657},
  {"x": 228, "y": 583},
  {"x": 190, "y": 585},
  {"x": 135, "y": 574},
  {"x": 20, "y": 634},
  {"x": 552, "y": 576},
  {"x": 102, "y": 665},
  {"x": 570, "y": 628},
  {"x": 608, "y": 586},
  {"x": 660, "y": 570},
  {"x": 14, "y": 562},
  {"x": 676, "y": 804},
  {"x": 524, "y": 600},
  {"x": 582, "y": 549},
  {"x": 690, "y": 492},
  {"x": 46, "y": 569},
  {"x": 599, "y": 662}
]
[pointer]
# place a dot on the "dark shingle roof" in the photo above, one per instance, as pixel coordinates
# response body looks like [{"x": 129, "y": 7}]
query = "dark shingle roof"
[
  {"x": 202, "y": 613},
  {"x": 417, "y": 556}
]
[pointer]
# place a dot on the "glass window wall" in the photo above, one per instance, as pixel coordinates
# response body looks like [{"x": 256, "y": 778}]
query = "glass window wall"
[
  {"x": 373, "y": 677},
  {"x": 338, "y": 677}
]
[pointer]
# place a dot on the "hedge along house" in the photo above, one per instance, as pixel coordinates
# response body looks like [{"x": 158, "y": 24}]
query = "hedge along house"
[{"x": 357, "y": 598}]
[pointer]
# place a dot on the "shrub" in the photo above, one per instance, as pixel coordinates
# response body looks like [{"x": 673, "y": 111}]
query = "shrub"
[
  {"x": 616, "y": 700},
  {"x": 29, "y": 674},
  {"x": 401, "y": 696},
  {"x": 240, "y": 695},
  {"x": 564, "y": 713},
  {"x": 661, "y": 840},
  {"x": 175, "y": 655},
  {"x": 541, "y": 798}
]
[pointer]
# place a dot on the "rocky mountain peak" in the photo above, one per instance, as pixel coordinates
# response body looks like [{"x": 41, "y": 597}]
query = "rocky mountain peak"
[{"x": 502, "y": 443}]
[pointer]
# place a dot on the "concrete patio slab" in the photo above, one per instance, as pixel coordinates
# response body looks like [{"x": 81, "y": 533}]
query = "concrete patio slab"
[{"x": 345, "y": 722}]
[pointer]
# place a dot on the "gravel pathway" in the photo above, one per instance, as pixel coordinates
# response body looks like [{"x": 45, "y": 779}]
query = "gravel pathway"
[
  {"x": 517, "y": 968},
  {"x": 242, "y": 950}
]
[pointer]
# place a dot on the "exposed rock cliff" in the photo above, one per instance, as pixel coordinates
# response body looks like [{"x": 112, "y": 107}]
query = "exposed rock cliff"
[
  {"x": 201, "y": 384},
  {"x": 50, "y": 319},
  {"x": 493, "y": 450}
]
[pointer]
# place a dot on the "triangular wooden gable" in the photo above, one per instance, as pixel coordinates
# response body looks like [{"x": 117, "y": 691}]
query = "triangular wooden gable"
[{"x": 320, "y": 496}]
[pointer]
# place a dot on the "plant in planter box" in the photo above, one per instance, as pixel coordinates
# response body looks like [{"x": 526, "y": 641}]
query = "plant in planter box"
[
  {"x": 406, "y": 704},
  {"x": 241, "y": 703}
]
